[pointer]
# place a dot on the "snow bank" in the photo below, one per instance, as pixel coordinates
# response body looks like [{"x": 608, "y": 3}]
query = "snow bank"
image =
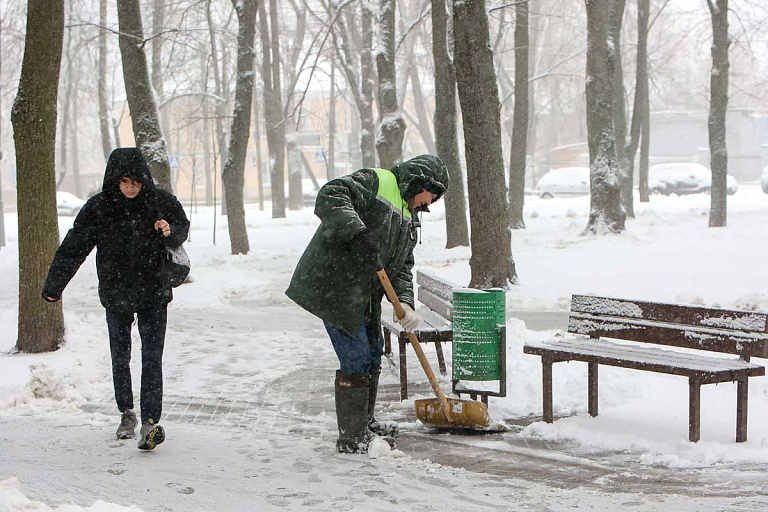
[{"x": 13, "y": 500}]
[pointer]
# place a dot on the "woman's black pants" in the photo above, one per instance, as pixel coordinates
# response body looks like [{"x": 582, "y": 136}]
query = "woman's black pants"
[{"x": 152, "y": 322}]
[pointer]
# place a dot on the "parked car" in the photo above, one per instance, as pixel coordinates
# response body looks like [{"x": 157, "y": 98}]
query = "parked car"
[
  {"x": 68, "y": 204},
  {"x": 684, "y": 178},
  {"x": 566, "y": 181},
  {"x": 764, "y": 180}
]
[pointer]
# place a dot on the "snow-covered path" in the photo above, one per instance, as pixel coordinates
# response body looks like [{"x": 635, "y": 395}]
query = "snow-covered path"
[{"x": 249, "y": 404}]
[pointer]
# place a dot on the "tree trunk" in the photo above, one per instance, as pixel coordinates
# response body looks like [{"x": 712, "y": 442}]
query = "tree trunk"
[
  {"x": 491, "y": 261},
  {"x": 626, "y": 181},
  {"x": 75, "y": 156},
  {"x": 106, "y": 141},
  {"x": 640, "y": 119},
  {"x": 447, "y": 143},
  {"x": 257, "y": 138},
  {"x": 2, "y": 204},
  {"x": 368, "y": 135},
  {"x": 69, "y": 88},
  {"x": 519, "y": 142},
  {"x": 330, "y": 162},
  {"x": 138, "y": 90},
  {"x": 389, "y": 139},
  {"x": 273, "y": 118},
  {"x": 606, "y": 214},
  {"x": 234, "y": 170},
  {"x": 221, "y": 94},
  {"x": 40, "y": 324},
  {"x": 207, "y": 149},
  {"x": 158, "y": 22},
  {"x": 718, "y": 108},
  {"x": 362, "y": 92}
]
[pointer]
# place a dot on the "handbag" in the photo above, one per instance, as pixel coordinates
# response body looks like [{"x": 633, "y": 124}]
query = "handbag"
[{"x": 177, "y": 265}]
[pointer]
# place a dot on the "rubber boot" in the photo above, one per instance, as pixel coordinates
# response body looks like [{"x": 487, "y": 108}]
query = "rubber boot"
[
  {"x": 386, "y": 429},
  {"x": 352, "y": 413}
]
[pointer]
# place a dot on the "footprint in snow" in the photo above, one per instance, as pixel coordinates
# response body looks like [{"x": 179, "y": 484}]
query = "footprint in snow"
[{"x": 181, "y": 489}]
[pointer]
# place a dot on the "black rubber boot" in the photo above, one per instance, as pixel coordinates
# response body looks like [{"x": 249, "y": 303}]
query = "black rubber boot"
[
  {"x": 380, "y": 428},
  {"x": 352, "y": 413}
]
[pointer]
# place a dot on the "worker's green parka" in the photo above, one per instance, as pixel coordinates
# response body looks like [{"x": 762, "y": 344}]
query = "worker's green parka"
[{"x": 334, "y": 283}]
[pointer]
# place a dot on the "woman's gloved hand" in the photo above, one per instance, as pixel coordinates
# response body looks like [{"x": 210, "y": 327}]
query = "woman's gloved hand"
[{"x": 411, "y": 320}]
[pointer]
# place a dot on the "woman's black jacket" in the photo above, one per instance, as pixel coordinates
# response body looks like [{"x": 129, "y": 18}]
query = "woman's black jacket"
[{"x": 129, "y": 251}]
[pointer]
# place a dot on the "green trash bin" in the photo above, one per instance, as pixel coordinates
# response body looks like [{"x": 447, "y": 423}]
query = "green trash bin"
[{"x": 476, "y": 338}]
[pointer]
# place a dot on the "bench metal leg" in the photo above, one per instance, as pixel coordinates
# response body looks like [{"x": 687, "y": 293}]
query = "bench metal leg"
[
  {"x": 694, "y": 409},
  {"x": 387, "y": 342},
  {"x": 403, "y": 368},
  {"x": 742, "y": 394},
  {"x": 546, "y": 373},
  {"x": 440, "y": 358},
  {"x": 592, "y": 389}
]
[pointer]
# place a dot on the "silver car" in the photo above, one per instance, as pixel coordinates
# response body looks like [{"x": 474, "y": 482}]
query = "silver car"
[
  {"x": 684, "y": 178},
  {"x": 566, "y": 181}
]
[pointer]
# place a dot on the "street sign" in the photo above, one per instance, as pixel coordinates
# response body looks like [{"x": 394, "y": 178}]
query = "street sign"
[
  {"x": 174, "y": 159},
  {"x": 320, "y": 155}
]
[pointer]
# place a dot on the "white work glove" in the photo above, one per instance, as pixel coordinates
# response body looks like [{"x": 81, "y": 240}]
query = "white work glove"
[{"x": 411, "y": 320}]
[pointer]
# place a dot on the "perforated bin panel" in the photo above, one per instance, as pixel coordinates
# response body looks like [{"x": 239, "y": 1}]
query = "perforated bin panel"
[{"x": 476, "y": 317}]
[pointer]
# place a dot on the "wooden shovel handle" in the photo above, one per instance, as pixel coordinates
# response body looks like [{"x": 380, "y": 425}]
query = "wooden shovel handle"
[{"x": 392, "y": 296}]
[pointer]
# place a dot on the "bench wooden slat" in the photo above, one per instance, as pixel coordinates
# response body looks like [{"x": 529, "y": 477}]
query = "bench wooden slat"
[
  {"x": 671, "y": 313},
  {"x": 436, "y": 303},
  {"x": 716, "y": 340},
  {"x": 438, "y": 286},
  {"x": 645, "y": 358}
]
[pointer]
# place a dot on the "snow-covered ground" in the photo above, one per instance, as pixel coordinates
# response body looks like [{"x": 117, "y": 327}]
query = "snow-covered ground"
[{"x": 248, "y": 384}]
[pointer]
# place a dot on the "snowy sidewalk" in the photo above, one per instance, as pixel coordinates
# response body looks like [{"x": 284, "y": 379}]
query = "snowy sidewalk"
[{"x": 249, "y": 387}]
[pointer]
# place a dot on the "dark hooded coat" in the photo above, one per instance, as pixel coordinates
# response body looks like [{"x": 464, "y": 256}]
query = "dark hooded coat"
[
  {"x": 130, "y": 253},
  {"x": 334, "y": 283}
]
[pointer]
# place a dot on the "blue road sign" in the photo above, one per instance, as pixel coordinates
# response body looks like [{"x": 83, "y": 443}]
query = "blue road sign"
[{"x": 174, "y": 159}]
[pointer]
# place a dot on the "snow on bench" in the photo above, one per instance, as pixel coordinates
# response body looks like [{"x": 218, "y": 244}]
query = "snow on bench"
[{"x": 682, "y": 340}]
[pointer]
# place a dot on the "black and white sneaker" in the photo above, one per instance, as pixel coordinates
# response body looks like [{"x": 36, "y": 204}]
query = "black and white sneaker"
[
  {"x": 128, "y": 423},
  {"x": 151, "y": 435}
]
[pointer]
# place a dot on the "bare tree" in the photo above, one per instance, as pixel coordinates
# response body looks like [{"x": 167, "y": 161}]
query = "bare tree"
[
  {"x": 106, "y": 141},
  {"x": 359, "y": 77},
  {"x": 606, "y": 214},
  {"x": 456, "y": 227},
  {"x": 219, "y": 67},
  {"x": 41, "y": 325},
  {"x": 619, "y": 109},
  {"x": 294, "y": 161},
  {"x": 138, "y": 90},
  {"x": 158, "y": 25},
  {"x": 234, "y": 169},
  {"x": 273, "y": 110},
  {"x": 718, "y": 108},
  {"x": 491, "y": 261},
  {"x": 640, "y": 111},
  {"x": 519, "y": 143},
  {"x": 389, "y": 140}
]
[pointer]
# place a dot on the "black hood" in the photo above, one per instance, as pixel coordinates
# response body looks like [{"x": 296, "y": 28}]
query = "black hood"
[
  {"x": 419, "y": 173},
  {"x": 127, "y": 162}
]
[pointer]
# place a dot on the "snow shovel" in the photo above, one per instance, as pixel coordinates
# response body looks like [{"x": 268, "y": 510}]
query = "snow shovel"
[{"x": 440, "y": 411}]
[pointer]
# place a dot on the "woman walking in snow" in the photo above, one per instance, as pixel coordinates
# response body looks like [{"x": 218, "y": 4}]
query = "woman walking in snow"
[{"x": 130, "y": 222}]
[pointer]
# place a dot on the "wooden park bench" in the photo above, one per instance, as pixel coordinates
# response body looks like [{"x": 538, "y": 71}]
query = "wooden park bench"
[
  {"x": 436, "y": 326},
  {"x": 652, "y": 326}
]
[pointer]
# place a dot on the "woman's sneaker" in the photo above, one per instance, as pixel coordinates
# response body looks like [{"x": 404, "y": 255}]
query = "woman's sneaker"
[
  {"x": 150, "y": 435},
  {"x": 128, "y": 422}
]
